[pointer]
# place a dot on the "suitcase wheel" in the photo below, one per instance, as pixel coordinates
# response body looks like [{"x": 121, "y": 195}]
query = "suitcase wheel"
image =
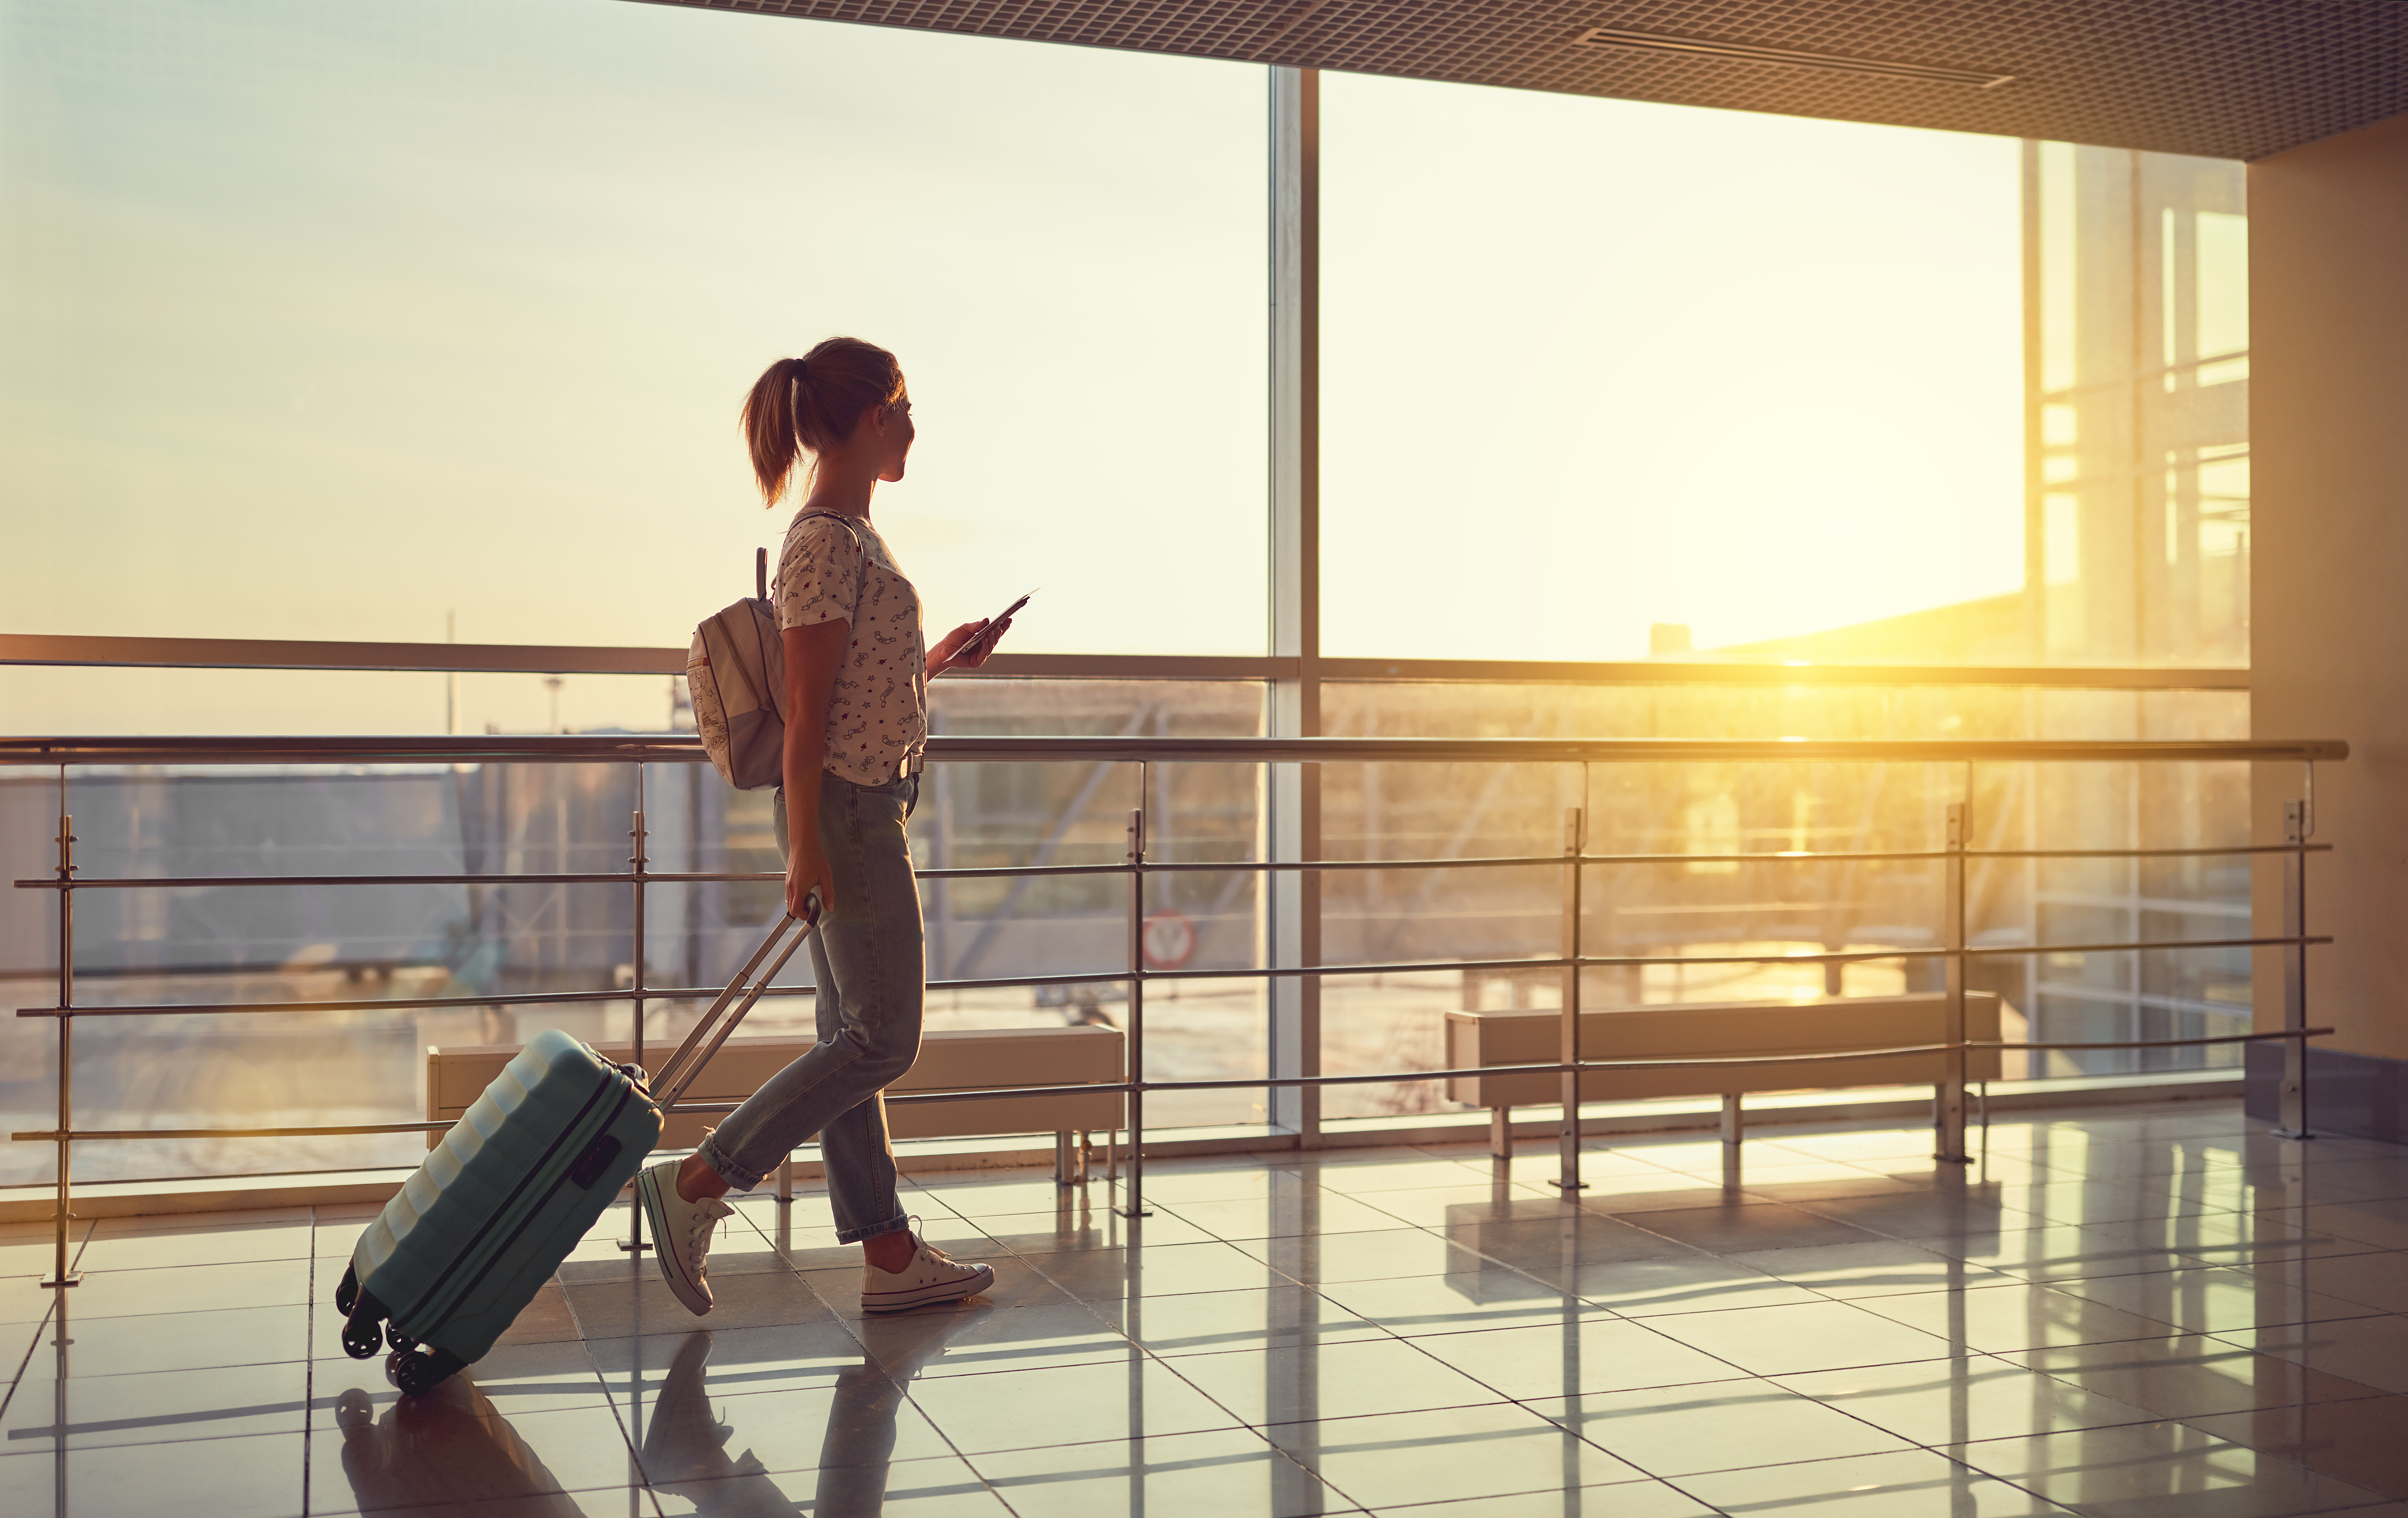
[
  {"x": 416, "y": 1372},
  {"x": 362, "y": 1336},
  {"x": 396, "y": 1339},
  {"x": 363, "y": 1330},
  {"x": 348, "y": 1292}
]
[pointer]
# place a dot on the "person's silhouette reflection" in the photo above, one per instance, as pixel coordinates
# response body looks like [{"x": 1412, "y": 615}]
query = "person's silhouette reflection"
[
  {"x": 686, "y": 1446},
  {"x": 447, "y": 1446}
]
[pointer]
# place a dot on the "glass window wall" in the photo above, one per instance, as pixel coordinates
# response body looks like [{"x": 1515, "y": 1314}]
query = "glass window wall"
[
  {"x": 405, "y": 322},
  {"x": 1605, "y": 378},
  {"x": 2141, "y": 403},
  {"x": 434, "y": 320},
  {"x": 1658, "y": 381}
]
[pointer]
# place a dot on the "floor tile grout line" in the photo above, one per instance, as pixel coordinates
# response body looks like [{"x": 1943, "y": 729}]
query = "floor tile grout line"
[{"x": 309, "y": 1367}]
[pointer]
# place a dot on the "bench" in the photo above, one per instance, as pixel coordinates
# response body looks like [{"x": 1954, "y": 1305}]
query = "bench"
[
  {"x": 949, "y": 1060},
  {"x": 1710, "y": 1030}
]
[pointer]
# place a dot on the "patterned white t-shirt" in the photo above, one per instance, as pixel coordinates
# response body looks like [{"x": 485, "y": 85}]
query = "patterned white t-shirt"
[{"x": 838, "y": 569}]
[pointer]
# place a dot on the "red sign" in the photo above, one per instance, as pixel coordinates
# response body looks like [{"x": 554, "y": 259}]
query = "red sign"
[{"x": 1170, "y": 940}]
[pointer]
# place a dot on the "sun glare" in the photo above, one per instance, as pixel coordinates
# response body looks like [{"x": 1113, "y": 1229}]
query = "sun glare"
[{"x": 1749, "y": 376}]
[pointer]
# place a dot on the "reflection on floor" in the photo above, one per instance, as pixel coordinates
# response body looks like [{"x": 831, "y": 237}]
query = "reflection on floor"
[{"x": 2135, "y": 1312}]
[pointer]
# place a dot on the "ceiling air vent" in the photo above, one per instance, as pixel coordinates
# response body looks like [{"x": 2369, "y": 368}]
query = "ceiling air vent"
[{"x": 1606, "y": 37}]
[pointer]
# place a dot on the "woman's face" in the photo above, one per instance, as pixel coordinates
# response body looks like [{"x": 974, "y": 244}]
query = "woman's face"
[{"x": 894, "y": 432}]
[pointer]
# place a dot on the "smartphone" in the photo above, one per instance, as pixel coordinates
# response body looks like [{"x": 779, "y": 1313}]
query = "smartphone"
[{"x": 993, "y": 622}]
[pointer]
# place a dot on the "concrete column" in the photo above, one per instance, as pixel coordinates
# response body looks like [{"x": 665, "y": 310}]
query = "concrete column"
[
  {"x": 2329, "y": 318},
  {"x": 1292, "y": 808}
]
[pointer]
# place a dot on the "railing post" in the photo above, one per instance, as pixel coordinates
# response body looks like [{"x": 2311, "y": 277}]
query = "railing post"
[
  {"x": 2293, "y": 1099},
  {"x": 1948, "y": 1099},
  {"x": 1568, "y": 1133},
  {"x": 1133, "y": 1203},
  {"x": 60, "y": 1379},
  {"x": 60, "y": 1275},
  {"x": 638, "y": 864}
]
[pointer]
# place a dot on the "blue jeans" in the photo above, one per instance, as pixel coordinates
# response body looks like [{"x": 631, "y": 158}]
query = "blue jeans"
[{"x": 867, "y": 960}]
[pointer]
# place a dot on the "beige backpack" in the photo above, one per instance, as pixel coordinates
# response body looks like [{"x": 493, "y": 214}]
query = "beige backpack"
[{"x": 736, "y": 675}]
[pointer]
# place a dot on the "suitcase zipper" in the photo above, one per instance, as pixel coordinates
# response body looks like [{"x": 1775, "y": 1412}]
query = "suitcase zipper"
[{"x": 573, "y": 1128}]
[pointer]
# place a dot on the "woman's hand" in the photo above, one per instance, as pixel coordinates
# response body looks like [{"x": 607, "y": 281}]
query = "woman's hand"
[
  {"x": 979, "y": 637},
  {"x": 807, "y": 872}
]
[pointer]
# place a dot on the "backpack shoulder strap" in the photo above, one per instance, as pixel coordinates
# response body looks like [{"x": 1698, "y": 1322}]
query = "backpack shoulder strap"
[{"x": 836, "y": 517}]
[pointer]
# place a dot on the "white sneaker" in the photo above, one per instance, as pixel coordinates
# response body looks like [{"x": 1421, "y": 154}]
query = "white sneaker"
[
  {"x": 681, "y": 1233},
  {"x": 931, "y": 1277}
]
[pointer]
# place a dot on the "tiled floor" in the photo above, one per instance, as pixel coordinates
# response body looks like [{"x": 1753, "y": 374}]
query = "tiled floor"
[{"x": 2132, "y": 1314}]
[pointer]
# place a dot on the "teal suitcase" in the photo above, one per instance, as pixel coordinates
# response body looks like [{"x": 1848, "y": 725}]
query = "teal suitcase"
[{"x": 505, "y": 1195}]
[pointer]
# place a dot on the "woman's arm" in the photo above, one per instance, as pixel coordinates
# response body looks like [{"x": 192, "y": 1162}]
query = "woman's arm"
[{"x": 812, "y": 654}]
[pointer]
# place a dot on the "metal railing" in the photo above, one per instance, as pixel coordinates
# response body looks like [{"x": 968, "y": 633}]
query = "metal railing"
[
  {"x": 62, "y": 650},
  {"x": 1955, "y": 952}
]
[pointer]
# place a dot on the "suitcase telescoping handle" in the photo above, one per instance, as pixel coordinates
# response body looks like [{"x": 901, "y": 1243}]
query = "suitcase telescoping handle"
[{"x": 686, "y": 1063}]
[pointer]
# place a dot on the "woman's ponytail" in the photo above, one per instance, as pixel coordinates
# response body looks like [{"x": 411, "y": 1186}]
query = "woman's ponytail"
[
  {"x": 814, "y": 403},
  {"x": 768, "y": 422}
]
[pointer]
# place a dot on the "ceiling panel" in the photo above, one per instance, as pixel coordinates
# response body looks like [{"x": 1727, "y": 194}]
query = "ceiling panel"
[{"x": 2219, "y": 78}]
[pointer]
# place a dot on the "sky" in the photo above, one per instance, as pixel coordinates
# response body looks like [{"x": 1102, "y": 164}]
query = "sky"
[
  {"x": 364, "y": 321},
  {"x": 1590, "y": 365}
]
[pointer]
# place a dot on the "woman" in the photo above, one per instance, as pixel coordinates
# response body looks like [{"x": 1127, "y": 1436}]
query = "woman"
[{"x": 856, "y": 720}]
